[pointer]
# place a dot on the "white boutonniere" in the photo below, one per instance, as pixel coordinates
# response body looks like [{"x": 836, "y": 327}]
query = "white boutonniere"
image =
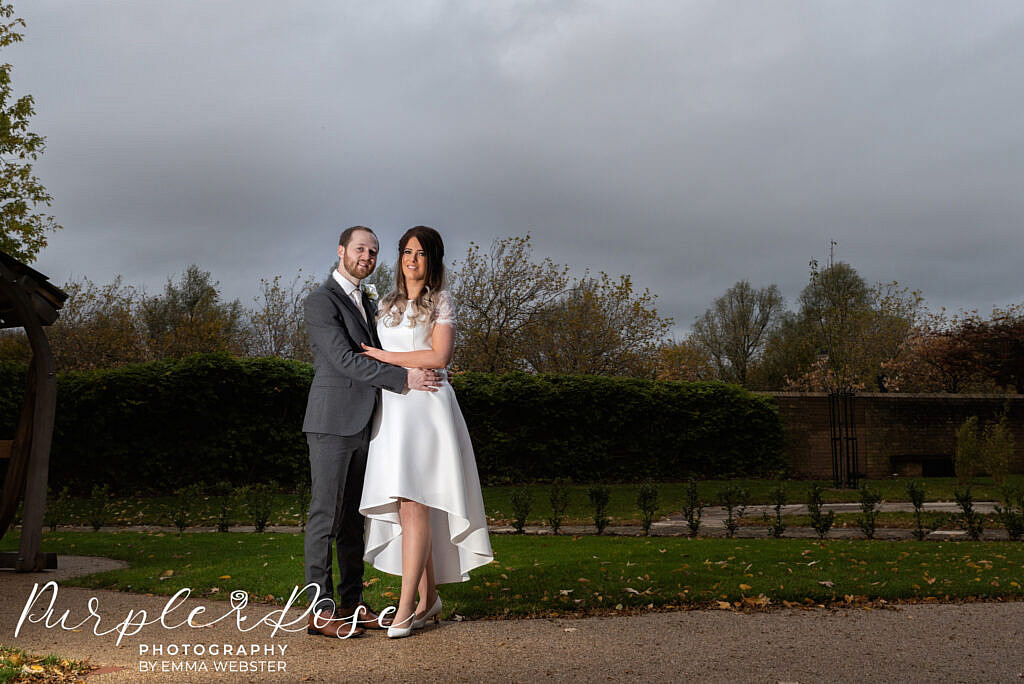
[{"x": 370, "y": 290}]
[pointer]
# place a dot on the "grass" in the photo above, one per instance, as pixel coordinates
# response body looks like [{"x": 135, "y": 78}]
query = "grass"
[
  {"x": 17, "y": 665},
  {"x": 534, "y": 576},
  {"x": 622, "y": 508}
]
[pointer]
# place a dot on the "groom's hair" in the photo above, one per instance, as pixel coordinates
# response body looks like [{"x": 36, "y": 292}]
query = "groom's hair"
[{"x": 346, "y": 235}]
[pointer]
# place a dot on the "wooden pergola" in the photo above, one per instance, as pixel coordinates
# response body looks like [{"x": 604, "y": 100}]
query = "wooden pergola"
[{"x": 29, "y": 301}]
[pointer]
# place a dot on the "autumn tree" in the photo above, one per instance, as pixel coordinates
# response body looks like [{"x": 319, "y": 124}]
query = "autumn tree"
[
  {"x": 190, "y": 318},
  {"x": 935, "y": 357},
  {"x": 734, "y": 331},
  {"x": 685, "y": 360},
  {"x": 277, "y": 323},
  {"x": 499, "y": 295},
  {"x": 599, "y": 326},
  {"x": 999, "y": 343},
  {"x": 97, "y": 327},
  {"x": 844, "y": 335},
  {"x": 23, "y": 226}
]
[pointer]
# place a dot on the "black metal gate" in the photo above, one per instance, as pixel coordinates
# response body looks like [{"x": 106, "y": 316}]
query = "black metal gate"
[{"x": 843, "y": 430}]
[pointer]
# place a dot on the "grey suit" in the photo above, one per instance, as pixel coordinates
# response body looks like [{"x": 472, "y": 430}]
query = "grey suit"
[{"x": 345, "y": 391}]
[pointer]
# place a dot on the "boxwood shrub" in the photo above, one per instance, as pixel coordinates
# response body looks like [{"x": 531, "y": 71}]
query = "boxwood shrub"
[{"x": 161, "y": 425}]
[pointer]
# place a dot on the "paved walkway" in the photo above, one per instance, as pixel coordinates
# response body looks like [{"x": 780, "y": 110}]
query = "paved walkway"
[{"x": 913, "y": 643}]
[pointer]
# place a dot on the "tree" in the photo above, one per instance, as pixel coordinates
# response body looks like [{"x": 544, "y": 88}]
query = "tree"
[
  {"x": 277, "y": 322},
  {"x": 599, "y": 326},
  {"x": 190, "y": 318},
  {"x": 499, "y": 296},
  {"x": 382, "y": 278},
  {"x": 999, "y": 343},
  {"x": 684, "y": 360},
  {"x": 789, "y": 352},
  {"x": 935, "y": 357},
  {"x": 23, "y": 227},
  {"x": 846, "y": 334},
  {"x": 733, "y": 332},
  {"x": 97, "y": 327},
  {"x": 851, "y": 331}
]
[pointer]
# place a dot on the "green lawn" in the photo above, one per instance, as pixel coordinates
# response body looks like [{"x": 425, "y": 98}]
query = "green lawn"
[
  {"x": 286, "y": 509},
  {"x": 547, "y": 575}
]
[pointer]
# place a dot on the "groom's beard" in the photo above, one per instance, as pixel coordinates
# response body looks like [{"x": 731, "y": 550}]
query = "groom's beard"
[{"x": 356, "y": 270}]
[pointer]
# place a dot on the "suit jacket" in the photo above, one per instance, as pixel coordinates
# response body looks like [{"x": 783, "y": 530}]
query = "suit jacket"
[{"x": 346, "y": 386}]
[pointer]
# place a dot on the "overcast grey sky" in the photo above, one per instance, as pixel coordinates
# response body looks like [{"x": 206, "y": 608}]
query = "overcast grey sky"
[{"x": 689, "y": 144}]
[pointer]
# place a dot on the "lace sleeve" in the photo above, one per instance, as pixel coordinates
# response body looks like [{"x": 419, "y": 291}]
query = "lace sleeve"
[{"x": 445, "y": 312}]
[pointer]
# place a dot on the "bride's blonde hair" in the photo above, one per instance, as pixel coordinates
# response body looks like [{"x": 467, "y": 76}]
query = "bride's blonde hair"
[{"x": 392, "y": 306}]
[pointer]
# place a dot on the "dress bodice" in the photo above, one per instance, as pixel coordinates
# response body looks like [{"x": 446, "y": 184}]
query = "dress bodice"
[{"x": 406, "y": 337}]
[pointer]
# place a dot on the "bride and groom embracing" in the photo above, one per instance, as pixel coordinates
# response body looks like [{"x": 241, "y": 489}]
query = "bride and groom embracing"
[{"x": 402, "y": 458}]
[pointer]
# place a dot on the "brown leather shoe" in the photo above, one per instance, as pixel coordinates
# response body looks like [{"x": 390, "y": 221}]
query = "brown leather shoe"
[
  {"x": 367, "y": 618},
  {"x": 325, "y": 624}
]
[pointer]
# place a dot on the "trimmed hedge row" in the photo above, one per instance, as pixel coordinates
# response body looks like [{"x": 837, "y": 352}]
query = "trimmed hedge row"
[
  {"x": 591, "y": 427},
  {"x": 161, "y": 425}
]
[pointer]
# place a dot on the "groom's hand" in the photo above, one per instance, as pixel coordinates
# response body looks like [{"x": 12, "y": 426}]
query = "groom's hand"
[{"x": 423, "y": 379}]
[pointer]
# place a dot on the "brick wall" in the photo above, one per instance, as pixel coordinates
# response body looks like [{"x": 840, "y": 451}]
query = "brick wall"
[{"x": 909, "y": 434}]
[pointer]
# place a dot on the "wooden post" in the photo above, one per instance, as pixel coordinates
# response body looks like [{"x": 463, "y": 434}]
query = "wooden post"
[{"x": 43, "y": 380}]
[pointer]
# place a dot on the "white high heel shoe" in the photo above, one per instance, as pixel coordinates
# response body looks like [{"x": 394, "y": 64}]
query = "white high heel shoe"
[
  {"x": 434, "y": 612},
  {"x": 395, "y": 632}
]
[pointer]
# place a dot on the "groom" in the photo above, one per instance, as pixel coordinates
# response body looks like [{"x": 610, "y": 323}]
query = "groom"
[{"x": 345, "y": 391}]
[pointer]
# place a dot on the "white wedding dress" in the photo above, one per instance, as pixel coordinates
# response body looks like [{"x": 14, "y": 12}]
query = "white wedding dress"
[{"x": 420, "y": 450}]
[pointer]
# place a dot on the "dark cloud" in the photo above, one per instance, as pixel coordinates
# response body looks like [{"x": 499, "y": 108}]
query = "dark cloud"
[{"x": 687, "y": 144}]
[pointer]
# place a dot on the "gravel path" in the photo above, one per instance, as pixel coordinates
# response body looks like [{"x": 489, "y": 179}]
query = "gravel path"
[{"x": 914, "y": 643}]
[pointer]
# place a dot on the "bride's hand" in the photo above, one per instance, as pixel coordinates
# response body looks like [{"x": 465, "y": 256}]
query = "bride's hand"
[{"x": 374, "y": 353}]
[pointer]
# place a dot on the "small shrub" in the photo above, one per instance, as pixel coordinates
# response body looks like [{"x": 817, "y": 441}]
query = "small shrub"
[
  {"x": 972, "y": 521},
  {"x": 258, "y": 500},
  {"x": 869, "y": 505},
  {"x": 599, "y": 497},
  {"x": 915, "y": 490},
  {"x": 1011, "y": 514},
  {"x": 997, "y": 449},
  {"x": 693, "y": 507},
  {"x": 223, "y": 491},
  {"x": 559, "y": 502},
  {"x": 968, "y": 451},
  {"x": 97, "y": 508},
  {"x": 58, "y": 509},
  {"x": 647, "y": 502},
  {"x": 821, "y": 520},
  {"x": 735, "y": 500},
  {"x": 522, "y": 500},
  {"x": 184, "y": 504},
  {"x": 775, "y": 525}
]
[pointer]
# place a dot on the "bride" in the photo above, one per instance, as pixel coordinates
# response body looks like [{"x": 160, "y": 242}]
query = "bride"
[{"x": 421, "y": 496}]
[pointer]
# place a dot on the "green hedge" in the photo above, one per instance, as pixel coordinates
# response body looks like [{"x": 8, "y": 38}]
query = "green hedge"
[
  {"x": 161, "y": 425},
  {"x": 598, "y": 428},
  {"x": 158, "y": 426}
]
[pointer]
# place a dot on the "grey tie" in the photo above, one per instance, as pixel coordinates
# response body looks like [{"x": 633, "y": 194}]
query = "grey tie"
[{"x": 357, "y": 299}]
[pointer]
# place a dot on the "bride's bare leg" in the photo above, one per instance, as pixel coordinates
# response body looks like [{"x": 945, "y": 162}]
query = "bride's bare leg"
[
  {"x": 427, "y": 588},
  {"x": 415, "y": 520}
]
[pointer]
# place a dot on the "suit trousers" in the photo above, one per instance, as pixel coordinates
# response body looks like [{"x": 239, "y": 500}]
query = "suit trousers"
[{"x": 337, "y": 465}]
